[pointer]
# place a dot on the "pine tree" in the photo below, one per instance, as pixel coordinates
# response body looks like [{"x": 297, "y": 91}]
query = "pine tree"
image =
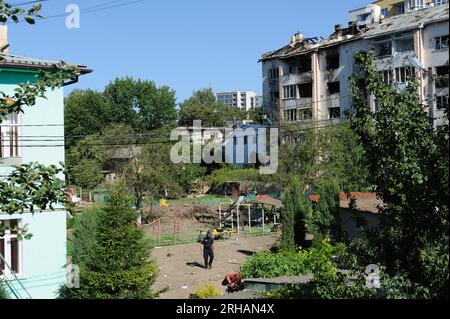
[
  {"x": 119, "y": 266},
  {"x": 297, "y": 210}
]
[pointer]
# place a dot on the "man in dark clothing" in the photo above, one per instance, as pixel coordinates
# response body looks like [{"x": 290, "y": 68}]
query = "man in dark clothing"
[{"x": 208, "y": 249}]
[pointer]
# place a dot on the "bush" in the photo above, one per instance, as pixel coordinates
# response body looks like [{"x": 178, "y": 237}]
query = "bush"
[
  {"x": 291, "y": 263},
  {"x": 268, "y": 265},
  {"x": 206, "y": 291},
  {"x": 3, "y": 294}
]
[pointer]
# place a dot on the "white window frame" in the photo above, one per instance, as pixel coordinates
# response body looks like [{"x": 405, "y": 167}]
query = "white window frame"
[
  {"x": 443, "y": 45},
  {"x": 7, "y": 275},
  {"x": 289, "y": 92},
  {"x": 385, "y": 12},
  {"x": 401, "y": 73},
  {"x": 419, "y": 4},
  {"x": 440, "y": 2},
  {"x": 442, "y": 99},
  {"x": 10, "y": 125}
]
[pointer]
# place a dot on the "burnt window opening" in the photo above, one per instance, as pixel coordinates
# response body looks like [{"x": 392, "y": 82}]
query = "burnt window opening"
[
  {"x": 334, "y": 87},
  {"x": 404, "y": 42},
  {"x": 305, "y": 89},
  {"x": 274, "y": 96},
  {"x": 383, "y": 47},
  {"x": 292, "y": 69},
  {"x": 441, "y": 79},
  {"x": 304, "y": 64},
  {"x": 305, "y": 114},
  {"x": 334, "y": 112},
  {"x": 442, "y": 102},
  {"x": 332, "y": 61},
  {"x": 274, "y": 73}
]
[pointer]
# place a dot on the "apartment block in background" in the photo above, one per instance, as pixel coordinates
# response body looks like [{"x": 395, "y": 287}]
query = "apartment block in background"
[{"x": 244, "y": 100}]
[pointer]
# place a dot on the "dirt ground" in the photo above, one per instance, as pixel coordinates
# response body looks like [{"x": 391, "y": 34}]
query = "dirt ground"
[{"x": 181, "y": 266}]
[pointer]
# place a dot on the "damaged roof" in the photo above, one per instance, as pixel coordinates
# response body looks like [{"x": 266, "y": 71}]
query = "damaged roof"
[
  {"x": 11, "y": 61},
  {"x": 310, "y": 44},
  {"x": 393, "y": 24},
  {"x": 409, "y": 21}
]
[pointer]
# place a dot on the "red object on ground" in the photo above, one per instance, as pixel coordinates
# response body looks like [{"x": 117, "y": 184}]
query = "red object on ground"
[{"x": 233, "y": 281}]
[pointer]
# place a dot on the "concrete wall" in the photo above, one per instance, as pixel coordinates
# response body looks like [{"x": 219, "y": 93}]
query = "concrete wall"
[
  {"x": 44, "y": 255},
  {"x": 433, "y": 58},
  {"x": 346, "y": 68}
]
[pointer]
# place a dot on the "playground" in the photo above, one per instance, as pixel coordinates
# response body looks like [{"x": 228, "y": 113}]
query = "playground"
[
  {"x": 241, "y": 227},
  {"x": 181, "y": 265}
]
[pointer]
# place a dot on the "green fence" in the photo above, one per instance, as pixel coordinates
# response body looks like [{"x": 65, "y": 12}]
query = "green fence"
[{"x": 173, "y": 238}]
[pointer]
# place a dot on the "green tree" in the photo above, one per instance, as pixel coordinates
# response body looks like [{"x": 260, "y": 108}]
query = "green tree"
[
  {"x": 256, "y": 115},
  {"x": 83, "y": 238},
  {"x": 409, "y": 165},
  {"x": 202, "y": 106},
  {"x": 119, "y": 266},
  {"x": 201, "y": 97},
  {"x": 155, "y": 106},
  {"x": 331, "y": 152},
  {"x": 295, "y": 212},
  {"x": 87, "y": 112},
  {"x": 324, "y": 220}
]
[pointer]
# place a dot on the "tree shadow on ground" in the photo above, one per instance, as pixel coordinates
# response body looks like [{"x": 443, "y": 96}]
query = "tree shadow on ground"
[
  {"x": 246, "y": 252},
  {"x": 195, "y": 264}
]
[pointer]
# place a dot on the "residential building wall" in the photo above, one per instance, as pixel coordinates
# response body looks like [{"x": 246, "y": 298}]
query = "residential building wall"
[
  {"x": 42, "y": 258},
  {"x": 411, "y": 45}
]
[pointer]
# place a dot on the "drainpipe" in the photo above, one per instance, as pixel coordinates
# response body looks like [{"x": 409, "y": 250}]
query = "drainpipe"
[
  {"x": 280, "y": 93},
  {"x": 418, "y": 43},
  {"x": 316, "y": 81}
]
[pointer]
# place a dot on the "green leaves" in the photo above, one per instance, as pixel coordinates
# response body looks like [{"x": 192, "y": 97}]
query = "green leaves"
[
  {"x": 27, "y": 93},
  {"x": 409, "y": 165},
  {"x": 13, "y": 13},
  {"x": 28, "y": 19},
  {"x": 29, "y": 186}
]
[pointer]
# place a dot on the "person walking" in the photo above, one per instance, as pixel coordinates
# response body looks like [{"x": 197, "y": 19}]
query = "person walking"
[{"x": 208, "y": 249}]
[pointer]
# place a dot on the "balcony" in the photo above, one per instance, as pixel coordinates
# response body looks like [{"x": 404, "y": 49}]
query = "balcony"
[
  {"x": 397, "y": 60},
  {"x": 298, "y": 103},
  {"x": 296, "y": 78}
]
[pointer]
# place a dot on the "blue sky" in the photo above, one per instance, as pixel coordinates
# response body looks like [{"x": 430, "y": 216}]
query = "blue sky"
[{"x": 184, "y": 44}]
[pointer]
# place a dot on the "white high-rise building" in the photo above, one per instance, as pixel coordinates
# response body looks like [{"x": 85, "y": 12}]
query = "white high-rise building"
[{"x": 245, "y": 100}]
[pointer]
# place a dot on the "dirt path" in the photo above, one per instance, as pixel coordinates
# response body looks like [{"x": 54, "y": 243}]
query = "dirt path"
[{"x": 181, "y": 266}]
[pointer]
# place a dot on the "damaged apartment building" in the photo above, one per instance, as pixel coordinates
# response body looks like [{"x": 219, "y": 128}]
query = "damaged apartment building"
[{"x": 308, "y": 79}]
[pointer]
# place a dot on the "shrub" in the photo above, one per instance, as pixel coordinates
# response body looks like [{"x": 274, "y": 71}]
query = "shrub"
[
  {"x": 206, "y": 291},
  {"x": 3, "y": 294}
]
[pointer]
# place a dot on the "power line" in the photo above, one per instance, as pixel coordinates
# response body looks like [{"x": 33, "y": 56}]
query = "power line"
[
  {"x": 166, "y": 141},
  {"x": 29, "y": 2},
  {"x": 96, "y": 8}
]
